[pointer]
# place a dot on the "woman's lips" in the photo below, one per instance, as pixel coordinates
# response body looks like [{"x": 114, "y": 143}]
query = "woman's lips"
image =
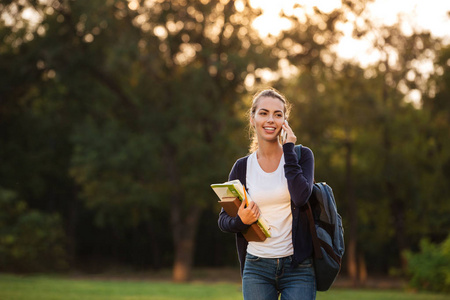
[{"x": 269, "y": 129}]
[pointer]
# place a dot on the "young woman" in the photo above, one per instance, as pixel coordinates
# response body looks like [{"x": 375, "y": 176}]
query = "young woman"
[{"x": 280, "y": 186}]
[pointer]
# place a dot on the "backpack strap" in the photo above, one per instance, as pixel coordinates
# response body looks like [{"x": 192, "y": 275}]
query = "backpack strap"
[
  {"x": 312, "y": 226},
  {"x": 312, "y": 230}
]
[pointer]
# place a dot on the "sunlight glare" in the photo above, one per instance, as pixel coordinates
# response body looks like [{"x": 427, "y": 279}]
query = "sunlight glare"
[
  {"x": 133, "y": 4},
  {"x": 271, "y": 22},
  {"x": 32, "y": 16},
  {"x": 429, "y": 15},
  {"x": 414, "y": 97},
  {"x": 239, "y": 5},
  {"x": 415, "y": 15}
]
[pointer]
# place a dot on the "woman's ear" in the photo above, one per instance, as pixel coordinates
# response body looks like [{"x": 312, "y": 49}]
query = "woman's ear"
[{"x": 252, "y": 121}]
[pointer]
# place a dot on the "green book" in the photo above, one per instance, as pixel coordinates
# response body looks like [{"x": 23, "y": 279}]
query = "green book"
[{"x": 235, "y": 188}]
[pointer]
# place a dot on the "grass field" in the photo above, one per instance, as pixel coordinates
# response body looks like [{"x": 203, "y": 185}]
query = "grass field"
[{"x": 14, "y": 287}]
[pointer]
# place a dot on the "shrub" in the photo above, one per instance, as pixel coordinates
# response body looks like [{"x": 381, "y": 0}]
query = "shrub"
[
  {"x": 29, "y": 240},
  {"x": 430, "y": 268}
]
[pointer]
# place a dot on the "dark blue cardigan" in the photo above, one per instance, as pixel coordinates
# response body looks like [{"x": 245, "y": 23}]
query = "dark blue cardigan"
[{"x": 300, "y": 179}]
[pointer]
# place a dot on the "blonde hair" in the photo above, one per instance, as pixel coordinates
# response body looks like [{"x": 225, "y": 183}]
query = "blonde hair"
[{"x": 271, "y": 92}]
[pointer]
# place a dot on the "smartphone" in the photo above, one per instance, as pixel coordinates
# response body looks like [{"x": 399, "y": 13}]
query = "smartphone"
[{"x": 283, "y": 135}]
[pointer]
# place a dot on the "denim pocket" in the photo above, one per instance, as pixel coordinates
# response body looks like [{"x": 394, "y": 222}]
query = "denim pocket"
[
  {"x": 251, "y": 257},
  {"x": 307, "y": 263}
]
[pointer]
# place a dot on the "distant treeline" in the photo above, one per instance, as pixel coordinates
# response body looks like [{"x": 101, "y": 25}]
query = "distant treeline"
[{"x": 115, "y": 118}]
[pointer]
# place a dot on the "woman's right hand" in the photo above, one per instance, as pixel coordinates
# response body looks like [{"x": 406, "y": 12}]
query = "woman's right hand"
[{"x": 249, "y": 214}]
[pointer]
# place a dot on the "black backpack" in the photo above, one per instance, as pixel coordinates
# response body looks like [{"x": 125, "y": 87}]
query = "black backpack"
[{"x": 327, "y": 233}]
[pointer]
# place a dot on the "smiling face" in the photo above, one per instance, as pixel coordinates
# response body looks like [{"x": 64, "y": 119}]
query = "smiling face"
[{"x": 268, "y": 118}]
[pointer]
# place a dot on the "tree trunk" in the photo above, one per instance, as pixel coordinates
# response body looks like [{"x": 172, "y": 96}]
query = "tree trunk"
[
  {"x": 396, "y": 204},
  {"x": 398, "y": 216},
  {"x": 362, "y": 269},
  {"x": 352, "y": 258},
  {"x": 184, "y": 233},
  {"x": 71, "y": 226},
  {"x": 156, "y": 252},
  {"x": 184, "y": 219},
  {"x": 352, "y": 265}
]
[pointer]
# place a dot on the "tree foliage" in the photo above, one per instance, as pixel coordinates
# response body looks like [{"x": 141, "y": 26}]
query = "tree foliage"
[
  {"x": 429, "y": 269},
  {"x": 29, "y": 240},
  {"x": 116, "y": 116}
]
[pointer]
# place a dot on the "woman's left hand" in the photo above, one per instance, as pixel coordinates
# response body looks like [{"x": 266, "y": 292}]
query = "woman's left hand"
[{"x": 290, "y": 136}]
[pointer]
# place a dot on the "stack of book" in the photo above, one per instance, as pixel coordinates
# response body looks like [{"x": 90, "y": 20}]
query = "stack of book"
[{"x": 231, "y": 195}]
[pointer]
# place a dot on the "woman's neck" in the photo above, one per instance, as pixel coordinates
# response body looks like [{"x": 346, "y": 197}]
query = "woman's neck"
[{"x": 269, "y": 149}]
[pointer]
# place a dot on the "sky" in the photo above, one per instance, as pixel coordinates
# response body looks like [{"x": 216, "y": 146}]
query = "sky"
[{"x": 419, "y": 14}]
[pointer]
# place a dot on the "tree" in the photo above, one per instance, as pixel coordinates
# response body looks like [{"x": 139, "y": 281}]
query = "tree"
[
  {"x": 150, "y": 88},
  {"x": 34, "y": 126},
  {"x": 204, "y": 69},
  {"x": 346, "y": 113},
  {"x": 398, "y": 76},
  {"x": 332, "y": 99}
]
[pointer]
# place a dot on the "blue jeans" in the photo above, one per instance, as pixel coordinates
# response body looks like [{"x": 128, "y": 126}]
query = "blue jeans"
[{"x": 267, "y": 278}]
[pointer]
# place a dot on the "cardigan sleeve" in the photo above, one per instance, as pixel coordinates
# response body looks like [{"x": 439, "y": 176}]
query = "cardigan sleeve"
[
  {"x": 299, "y": 175},
  {"x": 226, "y": 222}
]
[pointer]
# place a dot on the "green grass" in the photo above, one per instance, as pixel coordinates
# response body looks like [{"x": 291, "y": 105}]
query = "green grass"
[{"x": 14, "y": 287}]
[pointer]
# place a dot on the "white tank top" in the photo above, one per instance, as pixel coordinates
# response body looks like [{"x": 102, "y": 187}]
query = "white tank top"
[{"x": 270, "y": 192}]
